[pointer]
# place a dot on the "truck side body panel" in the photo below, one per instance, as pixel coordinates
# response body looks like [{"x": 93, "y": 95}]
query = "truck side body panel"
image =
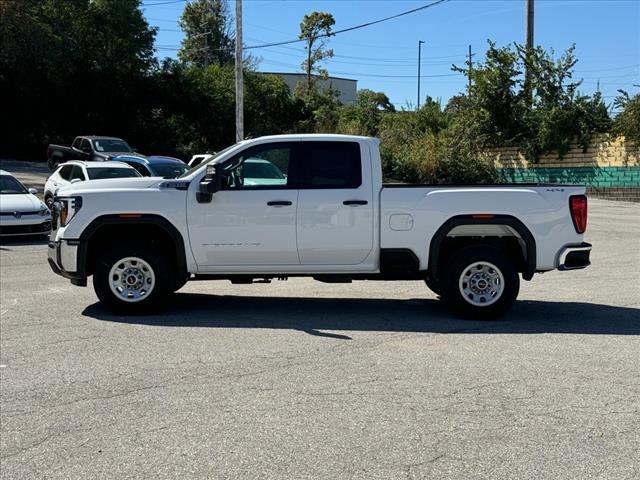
[{"x": 411, "y": 216}]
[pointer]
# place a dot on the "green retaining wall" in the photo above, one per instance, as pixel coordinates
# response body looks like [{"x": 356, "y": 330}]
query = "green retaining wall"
[{"x": 599, "y": 177}]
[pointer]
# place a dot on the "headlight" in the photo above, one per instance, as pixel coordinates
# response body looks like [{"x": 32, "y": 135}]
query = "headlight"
[
  {"x": 44, "y": 211},
  {"x": 67, "y": 208}
]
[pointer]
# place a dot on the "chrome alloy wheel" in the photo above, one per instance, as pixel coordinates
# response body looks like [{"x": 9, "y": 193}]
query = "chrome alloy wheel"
[
  {"x": 481, "y": 284},
  {"x": 131, "y": 279}
]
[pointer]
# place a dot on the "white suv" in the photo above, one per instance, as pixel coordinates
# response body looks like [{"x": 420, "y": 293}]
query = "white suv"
[{"x": 79, "y": 171}]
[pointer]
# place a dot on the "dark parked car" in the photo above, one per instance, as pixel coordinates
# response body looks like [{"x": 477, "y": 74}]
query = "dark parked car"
[
  {"x": 88, "y": 148},
  {"x": 155, "y": 166}
]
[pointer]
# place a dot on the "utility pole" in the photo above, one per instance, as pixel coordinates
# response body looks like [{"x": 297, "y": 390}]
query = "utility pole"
[
  {"x": 529, "y": 47},
  {"x": 239, "y": 78},
  {"x": 309, "y": 67},
  {"x": 470, "y": 55},
  {"x": 420, "y": 42},
  {"x": 529, "y": 24}
]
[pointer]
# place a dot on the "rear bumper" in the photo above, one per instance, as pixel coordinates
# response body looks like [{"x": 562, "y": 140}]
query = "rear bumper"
[
  {"x": 64, "y": 260},
  {"x": 574, "y": 257}
]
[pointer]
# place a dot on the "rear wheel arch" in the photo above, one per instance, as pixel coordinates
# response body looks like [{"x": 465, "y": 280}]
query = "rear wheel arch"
[{"x": 441, "y": 243}]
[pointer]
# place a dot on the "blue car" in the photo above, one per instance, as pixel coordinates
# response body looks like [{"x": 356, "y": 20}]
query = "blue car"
[{"x": 155, "y": 166}]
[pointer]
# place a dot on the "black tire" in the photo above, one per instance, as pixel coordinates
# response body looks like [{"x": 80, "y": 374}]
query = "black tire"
[
  {"x": 434, "y": 286},
  {"x": 48, "y": 201},
  {"x": 181, "y": 283},
  {"x": 461, "y": 277},
  {"x": 153, "y": 299}
]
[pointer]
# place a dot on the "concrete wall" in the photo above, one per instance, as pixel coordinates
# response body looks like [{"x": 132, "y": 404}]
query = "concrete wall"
[
  {"x": 610, "y": 167},
  {"x": 348, "y": 88}
]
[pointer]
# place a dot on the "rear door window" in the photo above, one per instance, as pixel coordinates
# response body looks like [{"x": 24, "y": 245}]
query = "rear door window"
[
  {"x": 141, "y": 169},
  {"x": 65, "y": 172},
  {"x": 76, "y": 172},
  {"x": 330, "y": 165}
]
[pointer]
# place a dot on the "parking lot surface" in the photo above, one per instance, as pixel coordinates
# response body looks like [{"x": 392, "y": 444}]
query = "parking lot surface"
[{"x": 300, "y": 379}]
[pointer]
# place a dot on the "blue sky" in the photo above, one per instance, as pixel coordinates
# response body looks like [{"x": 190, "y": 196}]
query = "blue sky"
[{"x": 383, "y": 57}]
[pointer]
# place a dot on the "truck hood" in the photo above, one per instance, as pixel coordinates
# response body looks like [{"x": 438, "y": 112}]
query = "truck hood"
[{"x": 134, "y": 183}]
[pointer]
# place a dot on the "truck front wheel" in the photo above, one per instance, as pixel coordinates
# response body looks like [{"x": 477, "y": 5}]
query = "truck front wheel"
[
  {"x": 131, "y": 279},
  {"x": 480, "y": 283}
]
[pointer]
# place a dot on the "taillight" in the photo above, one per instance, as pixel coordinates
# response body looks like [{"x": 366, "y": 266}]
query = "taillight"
[{"x": 578, "y": 207}]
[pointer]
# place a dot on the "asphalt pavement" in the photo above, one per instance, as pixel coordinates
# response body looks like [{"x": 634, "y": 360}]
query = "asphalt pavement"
[{"x": 304, "y": 380}]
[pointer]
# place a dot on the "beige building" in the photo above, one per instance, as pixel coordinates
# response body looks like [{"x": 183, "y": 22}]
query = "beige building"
[{"x": 346, "y": 87}]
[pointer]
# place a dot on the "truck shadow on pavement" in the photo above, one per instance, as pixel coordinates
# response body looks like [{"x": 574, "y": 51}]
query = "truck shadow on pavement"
[{"x": 315, "y": 315}]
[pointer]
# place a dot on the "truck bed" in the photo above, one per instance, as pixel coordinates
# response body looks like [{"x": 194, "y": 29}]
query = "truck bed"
[{"x": 411, "y": 213}]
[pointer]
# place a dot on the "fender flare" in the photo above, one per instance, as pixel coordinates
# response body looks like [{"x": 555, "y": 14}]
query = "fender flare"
[
  {"x": 508, "y": 220},
  {"x": 145, "y": 219}
]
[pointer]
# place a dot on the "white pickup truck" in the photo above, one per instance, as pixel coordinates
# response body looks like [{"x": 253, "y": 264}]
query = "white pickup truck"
[{"x": 325, "y": 214}]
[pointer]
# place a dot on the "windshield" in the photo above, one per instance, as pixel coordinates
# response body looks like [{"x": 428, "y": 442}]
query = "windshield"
[
  {"x": 11, "y": 186},
  {"x": 111, "y": 145},
  {"x": 169, "y": 170},
  {"x": 257, "y": 169},
  {"x": 102, "y": 173},
  {"x": 215, "y": 155}
]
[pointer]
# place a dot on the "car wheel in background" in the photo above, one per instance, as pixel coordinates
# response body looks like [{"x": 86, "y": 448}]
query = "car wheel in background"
[{"x": 48, "y": 201}]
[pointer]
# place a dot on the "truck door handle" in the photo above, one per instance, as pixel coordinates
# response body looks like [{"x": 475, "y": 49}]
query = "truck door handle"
[
  {"x": 355, "y": 203},
  {"x": 279, "y": 203}
]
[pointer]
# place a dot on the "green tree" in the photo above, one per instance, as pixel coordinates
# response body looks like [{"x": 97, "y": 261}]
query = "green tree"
[
  {"x": 208, "y": 34},
  {"x": 363, "y": 117},
  {"x": 627, "y": 122},
  {"x": 314, "y": 29},
  {"x": 270, "y": 108},
  {"x": 71, "y": 67},
  {"x": 547, "y": 115}
]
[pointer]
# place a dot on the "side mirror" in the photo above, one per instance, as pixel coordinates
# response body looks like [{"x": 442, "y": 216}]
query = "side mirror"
[
  {"x": 33, "y": 191},
  {"x": 210, "y": 184},
  {"x": 134, "y": 149}
]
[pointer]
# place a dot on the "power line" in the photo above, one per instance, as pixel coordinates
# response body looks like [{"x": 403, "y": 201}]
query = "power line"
[
  {"x": 373, "y": 75},
  {"x": 368, "y": 64},
  {"x": 356, "y": 27},
  {"x": 167, "y": 2},
  {"x": 390, "y": 60},
  {"x": 609, "y": 69}
]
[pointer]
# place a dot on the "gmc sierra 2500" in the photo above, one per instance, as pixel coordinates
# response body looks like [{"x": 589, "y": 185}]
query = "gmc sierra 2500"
[{"x": 327, "y": 216}]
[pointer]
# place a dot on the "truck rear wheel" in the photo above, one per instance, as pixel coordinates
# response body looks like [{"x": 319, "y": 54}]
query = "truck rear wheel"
[
  {"x": 481, "y": 283},
  {"x": 131, "y": 279}
]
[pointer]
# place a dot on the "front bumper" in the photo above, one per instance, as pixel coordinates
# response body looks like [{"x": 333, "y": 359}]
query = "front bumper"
[
  {"x": 65, "y": 260},
  {"x": 25, "y": 226},
  {"x": 574, "y": 257}
]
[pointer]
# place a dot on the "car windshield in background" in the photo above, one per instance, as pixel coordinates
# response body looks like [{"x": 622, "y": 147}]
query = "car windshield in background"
[
  {"x": 261, "y": 170},
  {"x": 216, "y": 155},
  {"x": 11, "y": 186},
  {"x": 105, "y": 172},
  {"x": 111, "y": 145},
  {"x": 170, "y": 170}
]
